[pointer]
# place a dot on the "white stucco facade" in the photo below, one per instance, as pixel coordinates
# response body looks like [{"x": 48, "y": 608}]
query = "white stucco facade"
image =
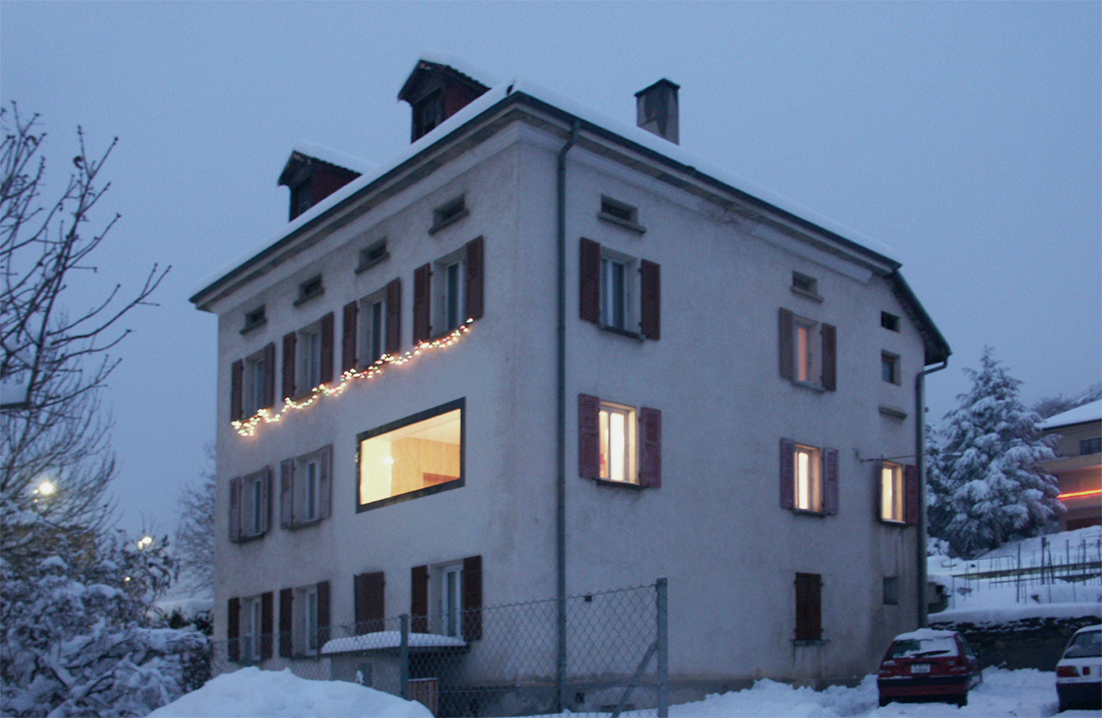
[{"x": 715, "y": 527}]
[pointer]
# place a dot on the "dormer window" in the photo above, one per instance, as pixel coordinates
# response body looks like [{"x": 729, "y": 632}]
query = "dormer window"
[
  {"x": 620, "y": 214},
  {"x": 309, "y": 289},
  {"x": 435, "y": 92},
  {"x": 302, "y": 198},
  {"x": 427, "y": 114},
  {"x": 449, "y": 212}
]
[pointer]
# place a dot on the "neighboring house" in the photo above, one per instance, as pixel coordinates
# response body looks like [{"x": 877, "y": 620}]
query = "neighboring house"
[
  {"x": 1078, "y": 463},
  {"x": 728, "y": 398}
]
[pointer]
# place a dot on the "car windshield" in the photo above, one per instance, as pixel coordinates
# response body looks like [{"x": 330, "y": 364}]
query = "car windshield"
[
  {"x": 1085, "y": 645},
  {"x": 922, "y": 648}
]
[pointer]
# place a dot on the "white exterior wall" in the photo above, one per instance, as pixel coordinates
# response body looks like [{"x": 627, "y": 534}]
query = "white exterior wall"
[{"x": 714, "y": 528}]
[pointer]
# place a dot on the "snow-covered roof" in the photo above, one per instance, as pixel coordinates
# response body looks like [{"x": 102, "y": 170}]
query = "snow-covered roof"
[
  {"x": 611, "y": 128},
  {"x": 458, "y": 64},
  {"x": 389, "y": 639},
  {"x": 1078, "y": 415},
  {"x": 335, "y": 157}
]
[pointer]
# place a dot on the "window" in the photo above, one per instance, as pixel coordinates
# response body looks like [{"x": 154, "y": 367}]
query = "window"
[
  {"x": 806, "y": 286},
  {"x": 372, "y": 255},
  {"x": 427, "y": 114},
  {"x": 809, "y": 478},
  {"x": 889, "y": 368},
  {"x": 302, "y": 197},
  {"x": 447, "y": 599},
  {"x": 309, "y": 289},
  {"x": 889, "y": 321},
  {"x": 372, "y": 327},
  {"x": 305, "y": 494},
  {"x": 416, "y": 456},
  {"x": 809, "y": 607},
  {"x": 252, "y": 383},
  {"x": 891, "y": 590},
  {"x": 618, "y": 444},
  {"x": 255, "y": 318},
  {"x": 249, "y": 505},
  {"x": 618, "y": 292},
  {"x": 308, "y": 357},
  {"x": 898, "y": 489},
  {"x": 620, "y": 214},
  {"x": 807, "y": 351},
  {"x": 1090, "y": 446},
  {"x": 448, "y": 292},
  {"x": 449, "y": 212},
  {"x": 249, "y": 628},
  {"x": 369, "y": 599},
  {"x": 304, "y": 619}
]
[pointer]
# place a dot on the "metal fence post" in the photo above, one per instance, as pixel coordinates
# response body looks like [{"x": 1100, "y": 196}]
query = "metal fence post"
[
  {"x": 662, "y": 641},
  {"x": 403, "y": 657}
]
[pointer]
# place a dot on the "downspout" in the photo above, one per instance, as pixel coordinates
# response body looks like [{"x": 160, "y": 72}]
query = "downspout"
[
  {"x": 560, "y": 430},
  {"x": 920, "y": 454}
]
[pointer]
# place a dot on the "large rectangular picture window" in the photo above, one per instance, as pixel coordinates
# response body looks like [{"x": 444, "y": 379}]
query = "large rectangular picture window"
[{"x": 416, "y": 456}]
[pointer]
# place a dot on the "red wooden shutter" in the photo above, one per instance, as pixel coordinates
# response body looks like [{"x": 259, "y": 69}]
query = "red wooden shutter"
[
  {"x": 289, "y": 365},
  {"x": 394, "y": 316},
  {"x": 911, "y": 507},
  {"x": 422, "y": 290},
  {"x": 650, "y": 458},
  {"x": 650, "y": 324},
  {"x": 269, "y": 375},
  {"x": 325, "y": 484},
  {"x": 830, "y": 363},
  {"x": 233, "y": 630},
  {"x": 589, "y": 437},
  {"x": 809, "y": 621},
  {"x": 265, "y": 500},
  {"x": 788, "y": 474},
  {"x": 286, "y": 622},
  {"x": 267, "y": 616},
  {"x": 830, "y": 481},
  {"x": 323, "y": 613},
  {"x": 370, "y": 590},
  {"x": 235, "y": 509},
  {"x": 589, "y": 281},
  {"x": 327, "y": 348},
  {"x": 419, "y": 599},
  {"x": 786, "y": 351},
  {"x": 287, "y": 493},
  {"x": 348, "y": 336},
  {"x": 472, "y": 598},
  {"x": 474, "y": 278},
  {"x": 237, "y": 375}
]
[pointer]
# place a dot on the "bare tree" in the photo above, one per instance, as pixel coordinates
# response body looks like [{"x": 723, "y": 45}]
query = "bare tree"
[
  {"x": 195, "y": 532},
  {"x": 55, "y": 456}
]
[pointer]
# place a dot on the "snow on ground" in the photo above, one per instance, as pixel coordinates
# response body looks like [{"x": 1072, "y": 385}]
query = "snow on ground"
[{"x": 253, "y": 693}]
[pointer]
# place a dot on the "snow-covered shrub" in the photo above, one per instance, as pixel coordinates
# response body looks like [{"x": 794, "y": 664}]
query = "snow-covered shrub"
[{"x": 79, "y": 637}]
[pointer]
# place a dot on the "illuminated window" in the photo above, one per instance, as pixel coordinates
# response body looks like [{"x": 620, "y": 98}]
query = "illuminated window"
[
  {"x": 617, "y": 432},
  {"x": 413, "y": 457},
  {"x": 891, "y": 492},
  {"x": 807, "y": 351},
  {"x": 809, "y": 493}
]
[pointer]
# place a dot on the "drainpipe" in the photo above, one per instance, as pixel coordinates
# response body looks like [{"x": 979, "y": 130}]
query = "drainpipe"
[
  {"x": 920, "y": 454},
  {"x": 560, "y": 437}
]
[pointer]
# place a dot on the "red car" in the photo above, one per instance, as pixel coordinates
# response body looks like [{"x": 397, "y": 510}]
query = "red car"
[{"x": 928, "y": 665}]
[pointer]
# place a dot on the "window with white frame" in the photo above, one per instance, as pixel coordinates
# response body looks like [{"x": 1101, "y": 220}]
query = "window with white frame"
[
  {"x": 306, "y": 488},
  {"x": 449, "y": 599},
  {"x": 617, "y": 272},
  {"x": 891, "y": 492},
  {"x": 446, "y": 598},
  {"x": 306, "y": 607},
  {"x": 448, "y": 292},
  {"x": 373, "y": 331},
  {"x": 307, "y": 475},
  {"x": 249, "y": 505},
  {"x": 809, "y": 478},
  {"x": 450, "y": 299},
  {"x": 619, "y": 292},
  {"x": 251, "y": 629},
  {"x": 258, "y": 378},
  {"x": 618, "y": 447},
  {"x": 309, "y": 350}
]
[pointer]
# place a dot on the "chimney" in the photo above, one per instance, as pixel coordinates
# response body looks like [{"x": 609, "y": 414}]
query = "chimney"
[{"x": 656, "y": 109}]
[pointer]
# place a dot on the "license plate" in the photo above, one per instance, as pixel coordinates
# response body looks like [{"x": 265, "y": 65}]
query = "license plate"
[{"x": 920, "y": 668}]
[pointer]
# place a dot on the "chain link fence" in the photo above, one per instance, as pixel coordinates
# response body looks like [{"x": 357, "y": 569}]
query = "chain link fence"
[{"x": 495, "y": 661}]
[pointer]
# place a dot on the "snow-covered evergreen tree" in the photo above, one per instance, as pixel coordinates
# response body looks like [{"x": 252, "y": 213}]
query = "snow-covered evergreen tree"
[
  {"x": 985, "y": 485},
  {"x": 80, "y": 637}
]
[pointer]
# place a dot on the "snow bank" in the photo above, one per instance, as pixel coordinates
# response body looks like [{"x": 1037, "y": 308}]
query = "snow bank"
[
  {"x": 1016, "y": 612},
  {"x": 253, "y": 693}
]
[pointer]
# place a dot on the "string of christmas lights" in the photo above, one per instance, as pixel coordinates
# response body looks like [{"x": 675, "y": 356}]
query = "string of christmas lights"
[{"x": 248, "y": 427}]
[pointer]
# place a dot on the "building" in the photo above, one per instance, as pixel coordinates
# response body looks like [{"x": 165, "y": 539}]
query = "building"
[
  {"x": 572, "y": 360},
  {"x": 1078, "y": 463}
]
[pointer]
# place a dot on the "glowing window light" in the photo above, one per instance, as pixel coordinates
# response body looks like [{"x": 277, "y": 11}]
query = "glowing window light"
[{"x": 248, "y": 427}]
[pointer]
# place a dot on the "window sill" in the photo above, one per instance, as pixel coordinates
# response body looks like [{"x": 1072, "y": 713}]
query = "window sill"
[
  {"x": 813, "y": 296},
  {"x": 303, "y": 524},
  {"x": 307, "y": 297},
  {"x": 809, "y": 642},
  {"x": 450, "y": 220},
  {"x": 621, "y": 332},
  {"x": 254, "y": 326},
  {"x": 612, "y": 219},
  {"x": 894, "y": 522},
  {"x": 892, "y": 413},
  {"x": 618, "y": 484},
  {"x": 364, "y": 266},
  {"x": 248, "y": 539},
  {"x": 810, "y": 385},
  {"x": 806, "y": 512}
]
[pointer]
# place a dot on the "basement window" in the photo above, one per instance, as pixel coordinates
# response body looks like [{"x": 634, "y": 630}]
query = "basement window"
[
  {"x": 372, "y": 255},
  {"x": 309, "y": 289},
  {"x": 620, "y": 214},
  {"x": 449, "y": 212}
]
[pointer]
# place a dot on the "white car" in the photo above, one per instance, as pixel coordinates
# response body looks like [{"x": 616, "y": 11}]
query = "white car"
[{"x": 1079, "y": 672}]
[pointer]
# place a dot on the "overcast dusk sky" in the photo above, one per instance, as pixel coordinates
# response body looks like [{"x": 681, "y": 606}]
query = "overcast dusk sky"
[{"x": 966, "y": 137}]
